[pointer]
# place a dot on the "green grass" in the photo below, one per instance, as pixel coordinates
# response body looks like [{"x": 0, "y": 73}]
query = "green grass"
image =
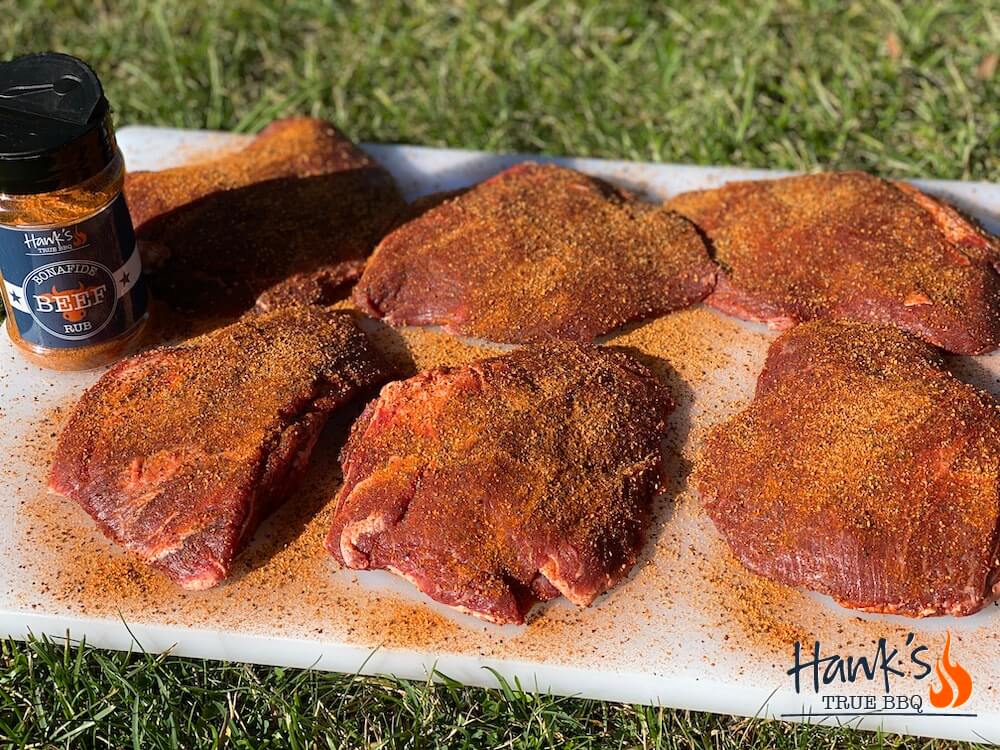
[
  {"x": 910, "y": 90},
  {"x": 906, "y": 89},
  {"x": 57, "y": 696}
]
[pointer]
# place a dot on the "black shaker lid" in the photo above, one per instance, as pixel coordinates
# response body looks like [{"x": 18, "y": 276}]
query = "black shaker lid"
[{"x": 55, "y": 124}]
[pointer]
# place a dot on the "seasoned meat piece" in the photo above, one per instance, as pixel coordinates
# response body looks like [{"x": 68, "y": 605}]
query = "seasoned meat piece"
[
  {"x": 179, "y": 452},
  {"x": 863, "y": 470},
  {"x": 300, "y": 207},
  {"x": 511, "y": 480},
  {"x": 535, "y": 253},
  {"x": 854, "y": 246}
]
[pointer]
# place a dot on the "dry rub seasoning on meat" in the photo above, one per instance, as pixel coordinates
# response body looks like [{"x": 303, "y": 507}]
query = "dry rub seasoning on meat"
[
  {"x": 537, "y": 252},
  {"x": 178, "y": 453},
  {"x": 288, "y": 219},
  {"x": 72, "y": 277},
  {"x": 863, "y": 469},
  {"x": 513, "y": 479},
  {"x": 851, "y": 245}
]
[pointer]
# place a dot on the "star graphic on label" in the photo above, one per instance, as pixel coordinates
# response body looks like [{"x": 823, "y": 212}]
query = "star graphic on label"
[
  {"x": 124, "y": 278},
  {"x": 15, "y": 296}
]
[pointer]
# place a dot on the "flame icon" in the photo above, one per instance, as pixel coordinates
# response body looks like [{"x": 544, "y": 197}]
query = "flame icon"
[
  {"x": 79, "y": 238},
  {"x": 949, "y": 674}
]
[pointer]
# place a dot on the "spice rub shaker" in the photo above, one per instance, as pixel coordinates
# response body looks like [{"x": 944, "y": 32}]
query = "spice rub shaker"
[{"x": 71, "y": 274}]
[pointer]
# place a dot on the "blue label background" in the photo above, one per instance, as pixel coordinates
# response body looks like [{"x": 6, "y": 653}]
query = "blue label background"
[{"x": 110, "y": 242}]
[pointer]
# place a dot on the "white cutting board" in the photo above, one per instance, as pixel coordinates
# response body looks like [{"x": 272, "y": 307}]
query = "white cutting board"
[{"x": 689, "y": 629}]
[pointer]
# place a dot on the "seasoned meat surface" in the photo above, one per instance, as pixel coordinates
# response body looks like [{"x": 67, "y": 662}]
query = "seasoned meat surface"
[
  {"x": 292, "y": 217},
  {"x": 536, "y": 253},
  {"x": 510, "y": 480},
  {"x": 854, "y": 246},
  {"x": 864, "y": 470},
  {"x": 177, "y": 453}
]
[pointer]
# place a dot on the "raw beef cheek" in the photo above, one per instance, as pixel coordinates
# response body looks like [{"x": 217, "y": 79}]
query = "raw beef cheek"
[
  {"x": 535, "y": 253},
  {"x": 508, "y": 481},
  {"x": 864, "y": 470},
  {"x": 850, "y": 245},
  {"x": 289, "y": 219},
  {"x": 178, "y": 453}
]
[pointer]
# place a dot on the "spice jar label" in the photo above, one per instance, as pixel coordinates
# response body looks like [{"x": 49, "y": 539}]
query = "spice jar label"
[{"x": 74, "y": 285}]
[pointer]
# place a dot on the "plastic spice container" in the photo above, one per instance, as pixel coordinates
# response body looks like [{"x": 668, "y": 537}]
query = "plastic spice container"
[{"x": 72, "y": 277}]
